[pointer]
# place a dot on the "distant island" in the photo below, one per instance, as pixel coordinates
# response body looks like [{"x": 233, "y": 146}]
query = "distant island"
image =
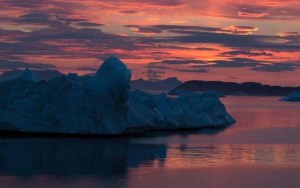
[{"x": 231, "y": 88}]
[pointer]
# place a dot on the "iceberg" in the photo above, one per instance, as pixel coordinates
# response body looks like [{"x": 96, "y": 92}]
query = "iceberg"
[
  {"x": 295, "y": 96},
  {"x": 102, "y": 104}
]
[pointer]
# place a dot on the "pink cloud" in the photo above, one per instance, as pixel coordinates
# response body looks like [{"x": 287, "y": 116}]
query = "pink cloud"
[
  {"x": 239, "y": 30},
  {"x": 288, "y": 34}
]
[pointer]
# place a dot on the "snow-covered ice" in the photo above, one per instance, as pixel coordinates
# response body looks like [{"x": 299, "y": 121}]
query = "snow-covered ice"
[
  {"x": 102, "y": 104},
  {"x": 295, "y": 96}
]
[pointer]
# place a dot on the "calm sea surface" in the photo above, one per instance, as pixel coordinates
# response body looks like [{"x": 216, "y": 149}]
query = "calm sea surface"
[{"x": 261, "y": 150}]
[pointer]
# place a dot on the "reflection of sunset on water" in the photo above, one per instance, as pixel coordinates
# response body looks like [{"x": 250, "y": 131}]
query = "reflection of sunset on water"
[{"x": 193, "y": 156}]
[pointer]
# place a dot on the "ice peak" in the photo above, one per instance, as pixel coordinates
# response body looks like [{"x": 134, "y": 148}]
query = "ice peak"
[
  {"x": 27, "y": 75},
  {"x": 110, "y": 64},
  {"x": 113, "y": 59},
  {"x": 113, "y": 79}
]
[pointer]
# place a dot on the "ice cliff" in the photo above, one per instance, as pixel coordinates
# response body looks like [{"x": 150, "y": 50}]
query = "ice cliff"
[{"x": 101, "y": 104}]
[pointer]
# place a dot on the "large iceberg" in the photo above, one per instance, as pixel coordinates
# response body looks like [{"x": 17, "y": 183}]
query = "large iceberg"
[
  {"x": 102, "y": 104},
  {"x": 295, "y": 96}
]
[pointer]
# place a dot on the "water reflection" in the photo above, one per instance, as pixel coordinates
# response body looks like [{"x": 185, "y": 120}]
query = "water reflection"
[
  {"x": 113, "y": 157},
  {"x": 262, "y": 112},
  {"x": 193, "y": 156},
  {"x": 74, "y": 157}
]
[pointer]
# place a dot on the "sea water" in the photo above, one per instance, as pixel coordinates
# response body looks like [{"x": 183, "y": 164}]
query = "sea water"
[{"x": 261, "y": 150}]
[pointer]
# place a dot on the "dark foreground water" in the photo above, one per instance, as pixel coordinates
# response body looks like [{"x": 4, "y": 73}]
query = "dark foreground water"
[{"x": 261, "y": 150}]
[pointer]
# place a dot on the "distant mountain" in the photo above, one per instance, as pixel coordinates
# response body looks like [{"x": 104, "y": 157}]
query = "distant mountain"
[
  {"x": 161, "y": 85},
  {"x": 39, "y": 74},
  {"x": 231, "y": 88}
]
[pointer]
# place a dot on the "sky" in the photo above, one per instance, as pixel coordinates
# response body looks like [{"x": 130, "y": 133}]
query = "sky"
[{"x": 225, "y": 40}]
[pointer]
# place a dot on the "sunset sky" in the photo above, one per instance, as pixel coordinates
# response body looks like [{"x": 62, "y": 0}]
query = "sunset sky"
[{"x": 227, "y": 40}]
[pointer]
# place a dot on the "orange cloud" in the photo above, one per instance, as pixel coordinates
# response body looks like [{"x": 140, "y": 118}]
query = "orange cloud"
[
  {"x": 239, "y": 30},
  {"x": 288, "y": 34},
  {"x": 248, "y": 14}
]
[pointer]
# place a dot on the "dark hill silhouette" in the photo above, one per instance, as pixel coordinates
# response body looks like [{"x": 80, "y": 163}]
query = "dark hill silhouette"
[
  {"x": 160, "y": 85},
  {"x": 40, "y": 74},
  {"x": 231, "y": 88}
]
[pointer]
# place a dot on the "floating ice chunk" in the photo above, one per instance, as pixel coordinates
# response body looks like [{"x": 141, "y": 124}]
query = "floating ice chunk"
[{"x": 295, "y": 96}]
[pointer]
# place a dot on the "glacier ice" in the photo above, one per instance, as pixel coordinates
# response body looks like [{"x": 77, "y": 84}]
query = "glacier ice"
[
  {"x": 295, "y": 96},
  {"x": 102, "y": 104}
]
